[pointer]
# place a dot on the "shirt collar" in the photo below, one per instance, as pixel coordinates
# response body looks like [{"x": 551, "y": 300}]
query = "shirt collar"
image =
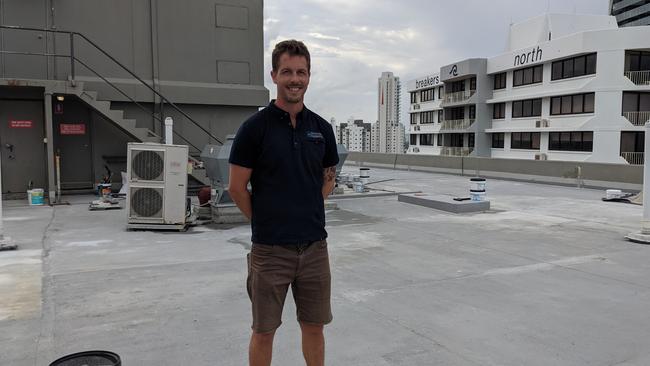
[{"x": 278, "y": 112}]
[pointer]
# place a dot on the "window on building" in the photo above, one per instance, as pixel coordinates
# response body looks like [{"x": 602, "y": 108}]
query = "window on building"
[
  {"x": 636, "y": 102},
  {"x": 525, "y": 140},
  {"x": 632, "y": 141},
  {"x": 573, "y": 104},
  {"x": 427, "y": 95},
  {"x": 472, "y": 83},
  {"x": 441, "y": 92},
  {"x": 571, "y": 141},
  {"x": 574, "y": 66},
  {"x": 426, "y": 139},
  {"x": 455, "y": 113},
  {"x": 455, "y": 139},
  {"x": 470, "y": 140},
  {"x": 497, "y": 140},
  {"x": 528, "y": 75},
  {"x": 637, "y": 61},
  {"x": 413, "y": 139},
  {"x": 457, "y": 86},
  {"x": 414, "y": 97},
  {"x": 426, "y": 117},
  {"x": 500, "y": 81},
  {"x": 414, "y": 118},
  {"x": 472, "y": 112},
  {"x": 527, "y": 108},
  {"x": 439, "y": 142},
  {"x": 441, "y": 116},
  {"x": 499, "y": 111}
]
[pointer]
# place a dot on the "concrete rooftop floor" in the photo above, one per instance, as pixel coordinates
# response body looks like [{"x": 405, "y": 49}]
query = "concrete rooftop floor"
[{"x": 545, "y": 278}]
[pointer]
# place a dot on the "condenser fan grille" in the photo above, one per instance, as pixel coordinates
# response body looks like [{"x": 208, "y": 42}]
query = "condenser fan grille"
[
  {"x": 148, "y": 165},
  {"x": 147, "y": 202}
]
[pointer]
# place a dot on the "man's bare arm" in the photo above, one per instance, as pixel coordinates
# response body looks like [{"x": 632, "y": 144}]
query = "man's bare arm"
[
  {"x": 237, "y": 188},
  {"x": 329, "y": 180}
]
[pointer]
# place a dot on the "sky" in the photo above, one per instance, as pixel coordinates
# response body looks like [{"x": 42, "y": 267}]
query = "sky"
[{"x": 353, "y": 41}]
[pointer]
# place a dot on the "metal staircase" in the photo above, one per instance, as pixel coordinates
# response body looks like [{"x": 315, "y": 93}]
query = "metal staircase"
[{"x": 103, "y": 107}]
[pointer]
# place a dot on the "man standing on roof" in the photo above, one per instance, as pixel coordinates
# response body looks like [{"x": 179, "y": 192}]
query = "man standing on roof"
[{"x": 288, "y": 154}]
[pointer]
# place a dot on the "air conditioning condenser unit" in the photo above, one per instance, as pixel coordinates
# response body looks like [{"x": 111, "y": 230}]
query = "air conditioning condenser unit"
[{"x": 157, "y": 193}]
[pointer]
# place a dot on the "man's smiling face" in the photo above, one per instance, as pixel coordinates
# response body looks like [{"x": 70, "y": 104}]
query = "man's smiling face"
[{"x": 291, "y": 78}]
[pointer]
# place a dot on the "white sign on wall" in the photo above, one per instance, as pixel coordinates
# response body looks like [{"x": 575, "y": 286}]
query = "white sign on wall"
[{"x": 427, "y": 82}]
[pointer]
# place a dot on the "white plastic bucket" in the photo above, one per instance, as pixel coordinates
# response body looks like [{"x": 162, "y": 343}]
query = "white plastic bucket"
[
  {"x": 358, "y": 187},
  {"x": 477, "y": 184},
  {"x": 36, "y": 197},
  {"x": 477, "y": 195},
  {"x": 364, "y": 175}
]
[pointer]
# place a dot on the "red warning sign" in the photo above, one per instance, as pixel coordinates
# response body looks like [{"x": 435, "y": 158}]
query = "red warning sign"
[
  {"x": 72, "y": 128},
  {"x": 21, "y": 124}
]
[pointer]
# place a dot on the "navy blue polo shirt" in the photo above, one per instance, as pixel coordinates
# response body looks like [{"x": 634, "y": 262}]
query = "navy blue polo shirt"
[{"x": 287, "y": 177}]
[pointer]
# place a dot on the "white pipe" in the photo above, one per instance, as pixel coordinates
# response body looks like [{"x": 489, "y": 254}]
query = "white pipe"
[
  {"x": 169, "y": 131},
  {"x": 645, "y": 229},
  {"x": 646, "y": 182}
]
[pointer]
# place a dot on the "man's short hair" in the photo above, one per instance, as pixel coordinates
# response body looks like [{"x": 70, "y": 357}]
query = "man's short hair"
[{"x": 293, "y": 48}]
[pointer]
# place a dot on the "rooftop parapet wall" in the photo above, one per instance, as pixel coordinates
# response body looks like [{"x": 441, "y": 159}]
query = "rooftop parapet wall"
[{"x": 597, "y": 175}]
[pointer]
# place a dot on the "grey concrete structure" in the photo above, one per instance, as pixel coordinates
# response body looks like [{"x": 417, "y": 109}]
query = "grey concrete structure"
[
  {"x": 444, "y": 203},
  {"x": 205, "y": 57},
  {"x": 630, "y": 13},
  {"x": 544, "y": 278},
  {"x": 473, "y": 86}
]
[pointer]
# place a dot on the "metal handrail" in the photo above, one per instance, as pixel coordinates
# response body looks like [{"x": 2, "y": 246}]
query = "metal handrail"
[
  {"x": 633, "y": 158},
  {"x": 637, "y": 118},
  {"x": 457, "y": 124},
  {"x": 137, "y": 104},
  {"x": 153, "y": 115},
  {"x": 456, "y": 151},
  {"x": 73, "y": 58},
  {"x": 458, "y": 96},
  {"x": 641, "y": 77}
]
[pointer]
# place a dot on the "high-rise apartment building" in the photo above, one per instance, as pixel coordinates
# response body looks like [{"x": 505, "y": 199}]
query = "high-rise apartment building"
[
  {"x": 630, "y": 13},
  {"x": 388, "y": 138},
  {"x": 355, "y": 135}
]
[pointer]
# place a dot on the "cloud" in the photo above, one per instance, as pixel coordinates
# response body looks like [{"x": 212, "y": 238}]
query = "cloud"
[{"x": 322, "y": 36}]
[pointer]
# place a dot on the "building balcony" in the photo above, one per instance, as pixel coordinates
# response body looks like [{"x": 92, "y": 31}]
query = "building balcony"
[
  {"x": 633, "y": 158},
  {"x": 639, "y": 77},
  {"x": 638, "y": 118},
  {"x": 460, "y": 96},
  {"x": 456, "y": 124},
  {"x": 456, "y": 151}
]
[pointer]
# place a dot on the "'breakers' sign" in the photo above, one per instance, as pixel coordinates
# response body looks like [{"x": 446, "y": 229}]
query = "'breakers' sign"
[
  {"x": 428, "y": 81},
  {"x": 527, "y": 57}
]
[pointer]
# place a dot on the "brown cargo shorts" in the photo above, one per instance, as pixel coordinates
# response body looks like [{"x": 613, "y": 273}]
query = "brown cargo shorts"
[{"x": 272, "y": 268}]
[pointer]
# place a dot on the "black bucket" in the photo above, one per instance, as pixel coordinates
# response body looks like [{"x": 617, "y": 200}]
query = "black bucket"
[{"x": 89, "y": 358}]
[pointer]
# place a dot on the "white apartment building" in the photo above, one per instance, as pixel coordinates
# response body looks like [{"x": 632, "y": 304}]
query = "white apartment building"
[
  {"x": 355, "y": 135},
  {"x": 569, "y": 87},
  {"x": 388, "y": 135},
  {"x": 425, "y": 114}
]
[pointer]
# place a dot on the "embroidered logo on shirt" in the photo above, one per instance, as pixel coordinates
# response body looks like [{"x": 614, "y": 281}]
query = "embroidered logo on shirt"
[{"x": 312, "y": 135}]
